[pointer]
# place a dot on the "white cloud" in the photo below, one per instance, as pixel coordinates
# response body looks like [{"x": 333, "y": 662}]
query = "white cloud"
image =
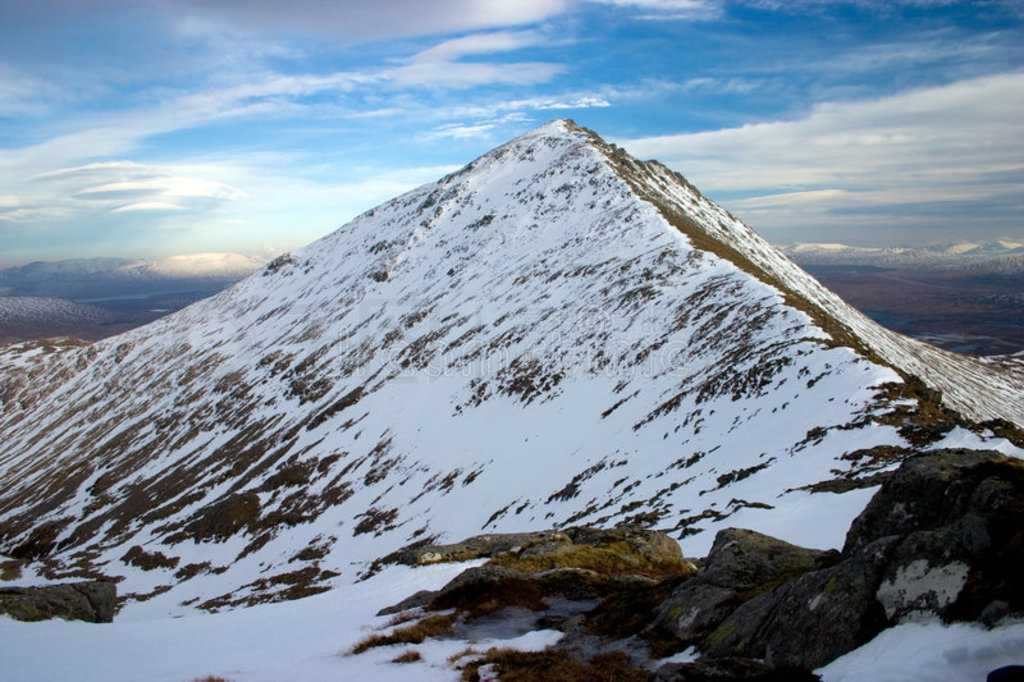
[
  {"x": 355, "y": 21},
  {"x": 457, "y": 131},
  {"x": 126, "y": 186},
  {"x": 443, "y": 65},
  {"x": 956, "y": 132},
  {"x": 692, "y": 10},
  {"x": 899, "y": 157},
  {"x": 148, "y": 206},
  {"x": 21, "y": 93}
]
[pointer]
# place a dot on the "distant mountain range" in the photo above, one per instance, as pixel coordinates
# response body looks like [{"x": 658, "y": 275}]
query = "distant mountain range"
[
  {"x": 997, "y": 256},
  {"x": 94, "y": 298},
  {"x": 80, "y": 279}
]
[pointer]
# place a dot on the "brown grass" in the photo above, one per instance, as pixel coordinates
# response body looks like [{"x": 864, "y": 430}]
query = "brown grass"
[
  {"x": 410, "y": 656},
  {"x": 10, "y": 570},
  {"x": 432, "y": 626},
  {"x": 554, "y": 665}
]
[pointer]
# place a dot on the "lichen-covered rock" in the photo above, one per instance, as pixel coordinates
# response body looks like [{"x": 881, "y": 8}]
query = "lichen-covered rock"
[
  {"x": 935, "y": 489},
  {"x": 942, "y": 539},
  {"x": 960, "y": 517},
  {"x": 94, "y": 602},
  {"x": 633, "y": 545},
  {"x": 741, "y": 565},
  {"x": 811, "y": 620},
  {"x": 478, "y": 547}
]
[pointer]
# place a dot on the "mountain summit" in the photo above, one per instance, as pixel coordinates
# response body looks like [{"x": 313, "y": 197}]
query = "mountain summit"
[{"x": 555, "y": 334}]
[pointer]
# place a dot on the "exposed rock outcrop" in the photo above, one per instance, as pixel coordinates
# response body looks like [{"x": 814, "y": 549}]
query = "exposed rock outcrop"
[
  {"x": 741, "y": 565},
  {"x": 93, "y": 601},
  {"x": 941, "y": 540},
  {"x": 576, "y": 563}
]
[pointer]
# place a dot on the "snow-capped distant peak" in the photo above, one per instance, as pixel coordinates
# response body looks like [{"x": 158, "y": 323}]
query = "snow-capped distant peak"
[
  {"x": 201, "y": 265},
  {"x": 961, "y": 254}
]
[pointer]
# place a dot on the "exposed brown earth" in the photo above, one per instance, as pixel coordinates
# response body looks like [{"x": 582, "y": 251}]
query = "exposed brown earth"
[{"x": 957, "y": 311}]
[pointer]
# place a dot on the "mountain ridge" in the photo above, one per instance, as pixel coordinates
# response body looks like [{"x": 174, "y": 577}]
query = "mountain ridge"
[{"x": 530, "y": 340}]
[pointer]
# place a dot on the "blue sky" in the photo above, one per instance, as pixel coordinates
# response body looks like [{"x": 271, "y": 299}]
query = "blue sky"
[{"x": 178, "y": 126}]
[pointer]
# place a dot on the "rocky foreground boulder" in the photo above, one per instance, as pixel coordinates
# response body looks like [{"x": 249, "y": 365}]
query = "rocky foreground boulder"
[
  {"x": 943, "y": 539},
  {"x": 93, "y": 601}
]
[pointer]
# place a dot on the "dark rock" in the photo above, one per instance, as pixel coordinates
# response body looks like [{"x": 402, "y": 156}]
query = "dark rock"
[
  {"x": 1009, "y": 673},
  {"x": 94, "y": 602},
  {"x": 741, "y": 565},
  {"x": 811, "y": 620},
  {"x": 994, "y": 612},
  {"x": 942, "y": 539},
  {"x": 960, "y": 517},
  {"x": 730, "y": 670},
  {"x": 930, "y": 491}
]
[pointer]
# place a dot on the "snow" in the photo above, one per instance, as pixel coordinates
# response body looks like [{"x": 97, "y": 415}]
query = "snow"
[
  {"x": 962, "y": 438},
  {"x": 308, "y": 639},
  {"x": 930, "y": 652},
  {"x": 311, "y": 639},
  {"x": 22, "y": 310}
]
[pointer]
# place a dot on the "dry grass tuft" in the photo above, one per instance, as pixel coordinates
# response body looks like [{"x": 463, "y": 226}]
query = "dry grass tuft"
[
  {"x": 554, "y": 665},
  {"x": 432, "y": 626},
  {"x": 10, "y": 570},
  {"x": 410, "y": 656}
]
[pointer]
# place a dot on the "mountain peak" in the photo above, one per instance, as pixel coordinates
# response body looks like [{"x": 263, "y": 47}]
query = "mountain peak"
[{"x": 556, "y": 334}]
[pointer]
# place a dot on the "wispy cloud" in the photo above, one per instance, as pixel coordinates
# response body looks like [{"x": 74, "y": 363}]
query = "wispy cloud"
[
  {"x": 961, "y": 143},
  {"x": 357, "y": 22},
  {"x": 126, "y": 186},
  {"x": 690, "y": 10},
  {"x": 443, "y": 65},
  {"x": 22, "y": 94}
]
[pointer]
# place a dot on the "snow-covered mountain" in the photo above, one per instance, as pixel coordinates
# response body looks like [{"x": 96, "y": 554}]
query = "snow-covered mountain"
[
  {"x": 25, "y": 310},
  {"x": 82, "y": 278},
  {"x": 555, "y": 334},
  {"x": 997, "y": 256},
  {"x": 196, "y": 265}
]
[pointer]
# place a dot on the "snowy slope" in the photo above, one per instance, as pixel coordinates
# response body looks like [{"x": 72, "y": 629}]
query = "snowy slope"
[
  {"x": 556, "y": 334},
  {"x": 24, "y": 310}
]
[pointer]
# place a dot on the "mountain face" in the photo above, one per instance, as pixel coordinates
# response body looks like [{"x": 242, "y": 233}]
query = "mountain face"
[{"x": 556, "y": 334}]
